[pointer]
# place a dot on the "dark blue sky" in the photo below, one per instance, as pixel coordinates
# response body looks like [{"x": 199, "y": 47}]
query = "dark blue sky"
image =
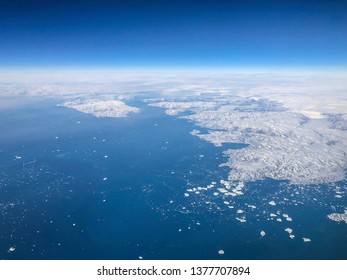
[{"x": 173, "y": 33}]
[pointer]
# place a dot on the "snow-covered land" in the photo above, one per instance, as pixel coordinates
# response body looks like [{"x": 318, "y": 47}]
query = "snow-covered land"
[{"x": 102, "y": 108}]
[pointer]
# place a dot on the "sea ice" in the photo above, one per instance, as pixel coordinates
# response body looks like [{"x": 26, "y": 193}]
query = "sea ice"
[
  {"x": 338, "y": 217},
  {"x": 12, "y": 249},
  {"x": 241, "y": 220}
]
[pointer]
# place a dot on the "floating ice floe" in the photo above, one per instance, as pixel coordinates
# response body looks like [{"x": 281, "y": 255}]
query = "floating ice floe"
[
  {"x": 262, "y": 233},
  {"x": 289, "y": 230},
  {"x": 18, "y": 157},
  {"x": 306, "y": 239},
  {"x": 227, "y": 184},
  {"x": 338, "y": 217},
  {"x": 221, "y": 252},
  {"x": 11, "y": 249},
  {"x": 186, "y": 194},
  {"x": 273, "y": 203},
  {"x": 241, "y": 220},
  {"x": 222, "y": 190}
]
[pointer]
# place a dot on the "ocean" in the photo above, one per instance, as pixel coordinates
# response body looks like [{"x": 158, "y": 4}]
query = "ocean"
[{"x": 74, "y": 186}]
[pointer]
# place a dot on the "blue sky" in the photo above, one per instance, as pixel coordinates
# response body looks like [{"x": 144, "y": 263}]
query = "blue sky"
[{"x": 173, "y": 33}]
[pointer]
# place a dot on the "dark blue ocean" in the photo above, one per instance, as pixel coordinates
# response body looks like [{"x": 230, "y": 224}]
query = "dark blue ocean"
[{"x": 73, "y": 186}]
